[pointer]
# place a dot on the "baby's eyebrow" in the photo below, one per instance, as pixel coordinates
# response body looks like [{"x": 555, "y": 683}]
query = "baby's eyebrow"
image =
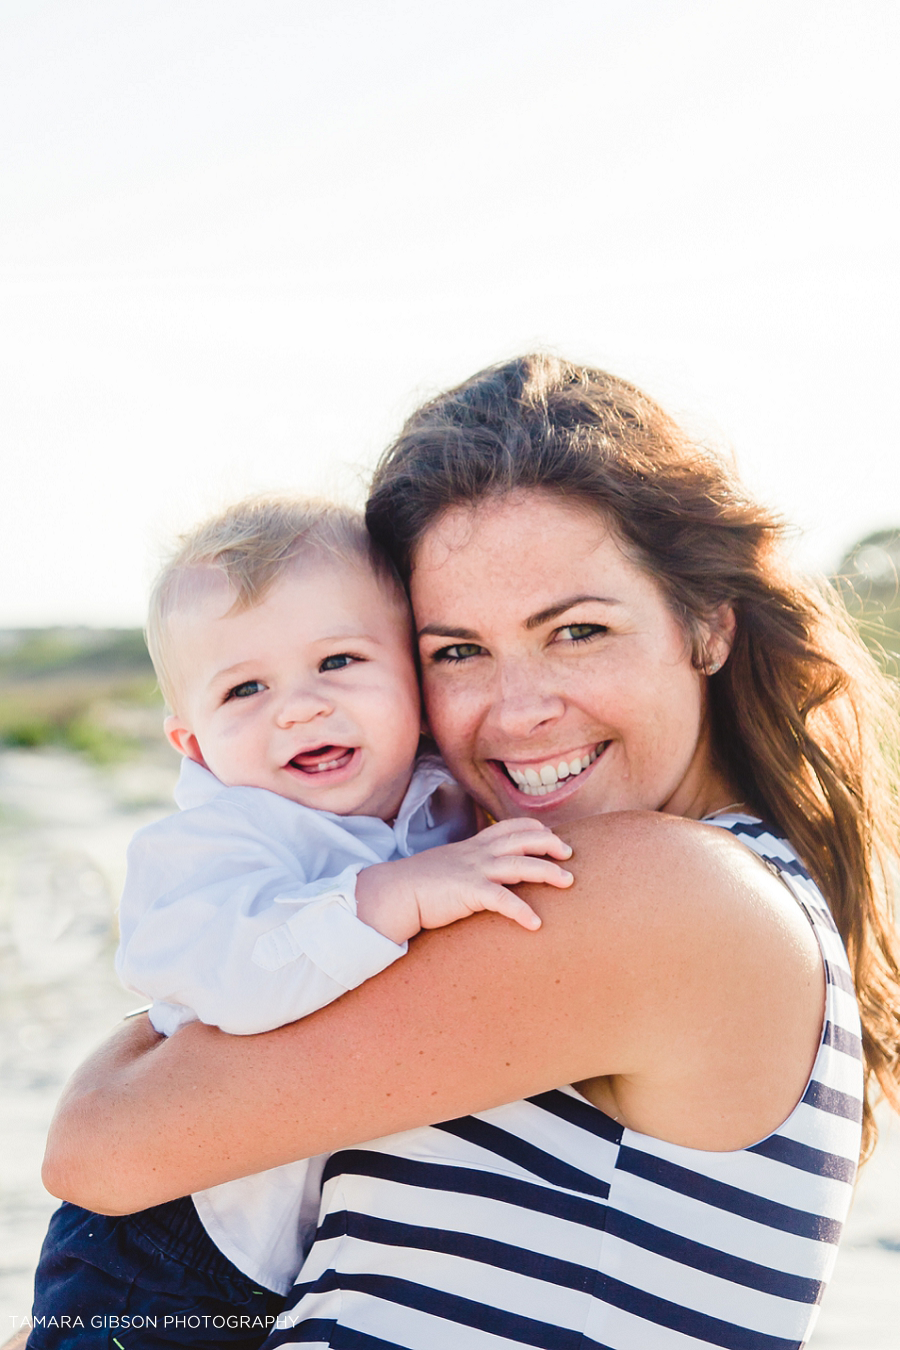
[
  {"x": 230, "y": 671},
  {"x": 354, "y": 635}
]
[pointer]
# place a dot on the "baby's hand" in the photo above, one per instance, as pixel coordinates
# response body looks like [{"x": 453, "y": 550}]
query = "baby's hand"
[{"x": 449, "y": 883}]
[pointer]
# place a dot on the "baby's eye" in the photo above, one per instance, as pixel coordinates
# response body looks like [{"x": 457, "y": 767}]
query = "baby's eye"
[
  {"x": 460, "y": 651},
  {"x": 337, "y": 662},
  {"x": 581, "y": 632},
  {"x": 245, "y": 690}
]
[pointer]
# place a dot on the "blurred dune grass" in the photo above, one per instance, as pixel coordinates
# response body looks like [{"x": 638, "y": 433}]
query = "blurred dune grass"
[{"x": 88, "y": 690}]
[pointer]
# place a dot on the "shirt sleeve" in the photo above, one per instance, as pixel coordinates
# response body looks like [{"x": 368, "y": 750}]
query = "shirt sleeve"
[{"x": 216, "y": 924}]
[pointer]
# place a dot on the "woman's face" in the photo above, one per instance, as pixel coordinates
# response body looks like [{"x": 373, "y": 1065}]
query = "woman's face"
[{"x": 557, "y": 681}]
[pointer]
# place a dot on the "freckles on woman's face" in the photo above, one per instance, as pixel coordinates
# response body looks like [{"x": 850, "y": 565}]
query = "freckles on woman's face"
[{"x": 557, "y": 681}]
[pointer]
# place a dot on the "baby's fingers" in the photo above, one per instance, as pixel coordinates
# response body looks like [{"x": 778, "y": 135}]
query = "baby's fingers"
[
  {"x": 515, "y": 869},
  {"x": 512, "y": 906},
  {"x": 539, "y": 841}
]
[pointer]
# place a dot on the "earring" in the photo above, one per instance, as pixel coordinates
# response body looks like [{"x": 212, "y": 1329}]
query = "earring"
[{"x": 713, "y": 667}]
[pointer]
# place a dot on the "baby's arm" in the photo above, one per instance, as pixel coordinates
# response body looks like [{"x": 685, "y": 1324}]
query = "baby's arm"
[
  {"x": 444, "y": 884},
  {"x": 219, "y": 922}
]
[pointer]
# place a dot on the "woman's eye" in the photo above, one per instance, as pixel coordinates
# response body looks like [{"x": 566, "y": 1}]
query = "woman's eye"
[
  {"x": 581, "y": 632},
  {"x": 245, "y": 690},
  {"x": 337, "y": 662},
  {"x": 460, "y": 651}
]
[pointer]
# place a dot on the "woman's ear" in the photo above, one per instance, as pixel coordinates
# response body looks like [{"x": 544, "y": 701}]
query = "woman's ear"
[
  {"x": 183, "y": 739},
  {"x": 722, "y": 628}
]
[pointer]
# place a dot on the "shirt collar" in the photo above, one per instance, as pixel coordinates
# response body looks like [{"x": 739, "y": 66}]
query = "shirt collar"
[
  {"x": 430, "y": 774},
  {"x": 196, "y": 785}
]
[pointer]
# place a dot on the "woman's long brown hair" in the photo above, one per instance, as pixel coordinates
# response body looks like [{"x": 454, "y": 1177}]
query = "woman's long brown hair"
[{"x": 803, "y": 720}]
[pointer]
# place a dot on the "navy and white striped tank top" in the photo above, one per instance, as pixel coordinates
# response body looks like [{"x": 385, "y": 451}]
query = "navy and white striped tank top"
[{"x": 545, "y": 1223}]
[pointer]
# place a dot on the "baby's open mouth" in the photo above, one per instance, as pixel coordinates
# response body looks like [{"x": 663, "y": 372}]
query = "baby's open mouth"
[
  {"x": 323, "y": 758},
  {"x": 537, "y": 780}
]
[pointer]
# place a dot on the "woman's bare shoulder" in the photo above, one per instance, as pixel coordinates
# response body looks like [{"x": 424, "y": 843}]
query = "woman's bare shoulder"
[
  {"x": 730, "y": 970},
  {"x": 644, "y": 837},
  {"x": 664, "y": 872}
]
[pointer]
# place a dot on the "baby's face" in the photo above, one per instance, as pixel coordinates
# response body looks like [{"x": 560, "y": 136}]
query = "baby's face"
[{"x": 311, "y": 694}]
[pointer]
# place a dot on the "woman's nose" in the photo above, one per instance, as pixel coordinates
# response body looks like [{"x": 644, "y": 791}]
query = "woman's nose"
[{"x": 522, "y": 704}]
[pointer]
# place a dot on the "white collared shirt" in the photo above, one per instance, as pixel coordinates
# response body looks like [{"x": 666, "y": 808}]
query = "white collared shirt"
[{"x": 240, "y": 910}]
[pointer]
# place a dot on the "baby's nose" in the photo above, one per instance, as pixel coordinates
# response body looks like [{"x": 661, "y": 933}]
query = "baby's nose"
[{"x": 302, "y": 705}]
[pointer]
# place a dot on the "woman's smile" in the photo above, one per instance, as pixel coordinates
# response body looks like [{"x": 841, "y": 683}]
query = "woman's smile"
[{"x": 550, "y": 774}]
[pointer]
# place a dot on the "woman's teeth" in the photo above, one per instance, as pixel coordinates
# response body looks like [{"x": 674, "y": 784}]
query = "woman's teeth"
[{"x": 537, "y": 782}]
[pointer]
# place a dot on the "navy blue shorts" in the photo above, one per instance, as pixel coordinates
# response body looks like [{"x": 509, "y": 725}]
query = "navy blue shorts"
[{"x": 141, "y": 1282}]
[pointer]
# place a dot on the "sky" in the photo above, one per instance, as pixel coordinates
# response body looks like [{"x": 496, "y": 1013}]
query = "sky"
[{"x": 239, "y": 243}]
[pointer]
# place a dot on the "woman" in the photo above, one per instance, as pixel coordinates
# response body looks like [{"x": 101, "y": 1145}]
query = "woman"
[{"x": 606, "y": 631}]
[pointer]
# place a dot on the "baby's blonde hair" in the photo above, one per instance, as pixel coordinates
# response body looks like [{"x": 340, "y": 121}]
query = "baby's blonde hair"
[{"x": 251, "y": 544}]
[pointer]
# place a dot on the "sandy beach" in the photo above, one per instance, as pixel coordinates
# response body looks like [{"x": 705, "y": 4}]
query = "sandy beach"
[{"x": 64, "y": 827}]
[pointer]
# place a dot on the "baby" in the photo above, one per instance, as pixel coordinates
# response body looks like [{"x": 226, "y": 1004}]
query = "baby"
[{"x": 295, "y": 870}]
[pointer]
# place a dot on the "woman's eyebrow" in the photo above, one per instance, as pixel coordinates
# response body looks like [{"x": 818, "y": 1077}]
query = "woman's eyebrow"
[
  {"x": 438, "y": 630},
  {"x": 553, "y": 611},
  {"x": 534, "y": 621}
]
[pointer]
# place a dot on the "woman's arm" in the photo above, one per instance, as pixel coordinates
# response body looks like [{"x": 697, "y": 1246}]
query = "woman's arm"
[{"x": 674, "y": 963}]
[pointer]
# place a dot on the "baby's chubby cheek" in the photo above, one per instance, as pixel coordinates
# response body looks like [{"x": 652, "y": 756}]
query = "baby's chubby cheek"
[{"x": 229, "y": 757}]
